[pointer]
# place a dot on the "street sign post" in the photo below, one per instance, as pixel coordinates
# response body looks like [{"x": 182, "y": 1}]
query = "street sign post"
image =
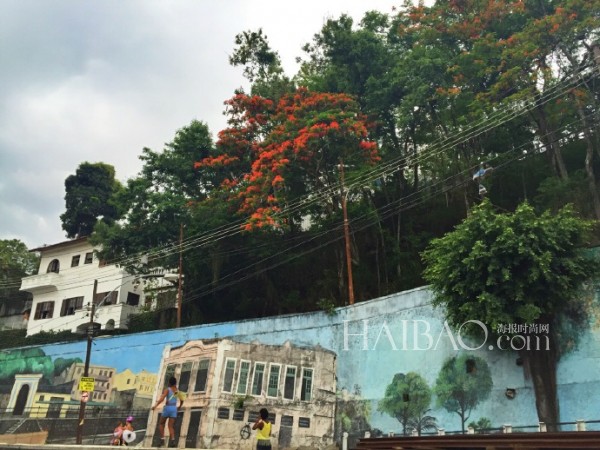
[{"x": 85, "y": 396}]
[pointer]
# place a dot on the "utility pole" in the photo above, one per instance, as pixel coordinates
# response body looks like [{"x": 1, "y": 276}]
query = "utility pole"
[
  {"x": 86, "y": 367},
  {"x": 179, "y": 284},
  {"x": 347, "y": 238}
]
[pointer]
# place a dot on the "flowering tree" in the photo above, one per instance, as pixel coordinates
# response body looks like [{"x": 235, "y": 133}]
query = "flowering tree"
[{"x": 273, "y": 155}]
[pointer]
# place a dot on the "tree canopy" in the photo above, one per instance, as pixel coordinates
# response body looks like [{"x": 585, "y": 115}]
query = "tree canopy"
[
  {"x": 519, "y": 268},
  {"x": 411, "y": 104},
  {"x": 89, "y": 198}
]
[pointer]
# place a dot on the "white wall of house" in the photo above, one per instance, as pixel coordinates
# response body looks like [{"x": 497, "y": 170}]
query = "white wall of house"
[{"x": 63, "y": 290}]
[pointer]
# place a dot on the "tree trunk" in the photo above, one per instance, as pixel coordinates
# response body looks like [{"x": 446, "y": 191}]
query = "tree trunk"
[
  {"x": 541, "y": 364},
  {"x": 589, "y": 162},
  {"x": 587, "y": 128},
  {"x": 548, "y": 137}
]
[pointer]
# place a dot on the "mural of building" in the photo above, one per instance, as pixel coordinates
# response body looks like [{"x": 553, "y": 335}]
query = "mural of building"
[
  {"x": 52, "y": 401},
  {"x": 134, "y": 391},
  {"x": 103, "y": 381},
  {"x": 320, "y": 374},
  {"x": 227, "y": 382}
]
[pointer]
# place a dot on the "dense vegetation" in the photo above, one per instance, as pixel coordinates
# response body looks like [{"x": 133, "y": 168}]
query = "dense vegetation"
[{"x": 391, "y": 117}]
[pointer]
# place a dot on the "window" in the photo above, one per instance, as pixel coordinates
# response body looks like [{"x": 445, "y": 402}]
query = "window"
[
  {"x": 257, "y": 381},
  {"x": 109, "y": 298},
  {"x": 303, "y": 422},
  {"x": 242, "y": 385},
  {"x": 54, "y": 266},
  {"x": 229, "y": 372},
  {"x": 184, "y": 378},
  {"x": 223, "y": 413},
  {"x": 133, "y": 299},
  {"x": 287, "y": 421},
  {"x": 170, "y": 372},
  {"x": 75, "y": 260},
  {"x": 289, "y": 385},
  {"x": 70, "y": 305},
  {"x": 201, "y": 375},
  {"x": 306, "y": 390},
  {"x": 44, "y": 310},
  {"x": 238, "y": 414},
  {"x": 273, "y": 383},
  {"x": 89, "y": 257}
]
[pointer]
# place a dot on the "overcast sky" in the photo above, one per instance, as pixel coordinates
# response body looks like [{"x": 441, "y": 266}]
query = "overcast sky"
[{"x": 98, "y": 80}]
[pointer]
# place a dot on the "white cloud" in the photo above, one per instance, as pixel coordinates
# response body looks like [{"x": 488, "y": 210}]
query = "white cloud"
[{"x": 98, "y": 81}]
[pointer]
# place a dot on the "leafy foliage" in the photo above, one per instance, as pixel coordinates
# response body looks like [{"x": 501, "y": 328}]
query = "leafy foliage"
[
  {"x": 517, "y": 268},
  {"x": 435, "y": 90},
  {"x": 89, "y": 198},
  {"x": 511, "y": 268},
  {"x": 16, "y": 258}
]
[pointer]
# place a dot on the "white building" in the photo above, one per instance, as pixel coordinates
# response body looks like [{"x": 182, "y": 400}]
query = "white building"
[{"x": 64, "y": 286}]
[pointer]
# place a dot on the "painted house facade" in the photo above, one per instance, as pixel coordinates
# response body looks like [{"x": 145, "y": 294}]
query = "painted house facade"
[
  {"x": 63, "y": 290},
  {"x": 228, "y": 382}
]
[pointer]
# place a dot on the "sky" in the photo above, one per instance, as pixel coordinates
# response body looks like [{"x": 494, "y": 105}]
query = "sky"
[{"x": 99, "y": 80}]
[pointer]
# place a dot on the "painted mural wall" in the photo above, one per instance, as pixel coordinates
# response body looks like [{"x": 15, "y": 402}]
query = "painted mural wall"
[{"x": 387, "y": 365}]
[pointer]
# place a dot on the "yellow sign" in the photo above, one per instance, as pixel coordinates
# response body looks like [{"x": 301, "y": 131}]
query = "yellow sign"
[{"x": 86, "y": 384}]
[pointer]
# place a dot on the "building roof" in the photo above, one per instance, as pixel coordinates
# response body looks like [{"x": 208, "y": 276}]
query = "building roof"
[{"x": 60, "y": 244}]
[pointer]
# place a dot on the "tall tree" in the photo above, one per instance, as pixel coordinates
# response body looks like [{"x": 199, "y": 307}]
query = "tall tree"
[
  {"x": 16, "y": 259},
  {"x": 463, "y": 382},
  {"x": 517, "y": 268},
  {"x": 157, "y": 203},
  {"x": 274, "y": 156},
  {"x": 262, "y": 65},
  {"x": 16, "y": 262},
  {"x": 89, "y": 198}
]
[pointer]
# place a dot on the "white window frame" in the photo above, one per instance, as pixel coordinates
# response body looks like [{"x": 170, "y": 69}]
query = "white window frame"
[
  {"x": 232, "y": 375},
  {"x": 237, "y": 383},
  {"x": 207, "y": 374},
  {"x": 264, "y": 364},
  {"x": 312, "y": 382},
  {"x": 271, "y": 366},
  {"x": 293, "y": 385}
]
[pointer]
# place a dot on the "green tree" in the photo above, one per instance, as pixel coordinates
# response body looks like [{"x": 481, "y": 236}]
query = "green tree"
[
  {"x": 463, "y": 382},
  {"x": 16, "y": 258},
  {"x": 518, "y": 268},
  {"x": 16, "y": 262},
  {"x": 154, "y": 206},
  {"x": 407, "y": 399},
  {"x": 158, "y": 201},
  {"x": 89, "y": 198},
  {"x": 262, "y": 65}
]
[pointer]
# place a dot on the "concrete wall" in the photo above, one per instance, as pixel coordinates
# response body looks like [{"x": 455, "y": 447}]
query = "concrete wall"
[{"x": 373, "y": 341}]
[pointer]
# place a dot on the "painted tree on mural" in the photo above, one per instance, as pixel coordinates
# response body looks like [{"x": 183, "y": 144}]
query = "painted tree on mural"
[
  {"x": 518, "y": 268},
  {"x": 353, "y": 413},
  {"x": 463, "y": 382},
  {"x": 407, "y": 398},
  {"x": 22, "y": 361}
]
